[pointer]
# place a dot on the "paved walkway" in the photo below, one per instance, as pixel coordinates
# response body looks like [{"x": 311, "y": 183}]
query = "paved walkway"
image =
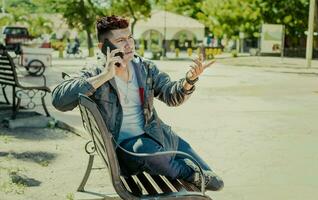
[{"x": 254, "y": 124}]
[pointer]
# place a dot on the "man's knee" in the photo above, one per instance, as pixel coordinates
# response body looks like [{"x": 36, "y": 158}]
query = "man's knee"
[
  {"x": 146, "y": 145},
  {"x": 160, "y": 165}
]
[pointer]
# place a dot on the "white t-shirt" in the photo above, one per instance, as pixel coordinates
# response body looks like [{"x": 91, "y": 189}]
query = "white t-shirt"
[{"x": 133, "y": 119}]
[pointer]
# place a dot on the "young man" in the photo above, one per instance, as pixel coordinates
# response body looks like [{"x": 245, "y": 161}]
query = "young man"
[{"x": 124, "y": 89}]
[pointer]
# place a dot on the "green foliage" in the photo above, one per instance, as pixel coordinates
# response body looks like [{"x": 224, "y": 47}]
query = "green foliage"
[
  {"x": 22, "y": 12},
  {"x": 191, "y": 8},
  {"x": 232, "y": 16},
  {"x": 229, "y": 17},
  {"x": 82, "y": 14},
  {"x": 294, "y": 14},
  {"x": 39, "y": 25},
  {"x": 70, "y": 196},
  {"x": 134, "y": 9},
  {"x": 10, "y": 187},
  {"x": 234, "y": 53}
]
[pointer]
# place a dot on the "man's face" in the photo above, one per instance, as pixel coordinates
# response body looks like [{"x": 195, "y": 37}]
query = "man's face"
[{"x": 123, "y": 40}]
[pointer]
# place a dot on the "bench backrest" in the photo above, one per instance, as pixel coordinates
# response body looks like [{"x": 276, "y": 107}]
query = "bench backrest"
[
  {"x": 141, "y": 186},
  {"x": 103, "y": 141},
  {"x": 8, "y": 74}
]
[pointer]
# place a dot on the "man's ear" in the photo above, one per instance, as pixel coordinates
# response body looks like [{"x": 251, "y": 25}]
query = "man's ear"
[{"x": 100, "y": 45}]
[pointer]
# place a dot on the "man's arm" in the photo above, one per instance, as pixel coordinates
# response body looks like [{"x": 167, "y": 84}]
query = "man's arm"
[
  {"x": 174, "y": 93},
  {"x": 65, "y": 95}
]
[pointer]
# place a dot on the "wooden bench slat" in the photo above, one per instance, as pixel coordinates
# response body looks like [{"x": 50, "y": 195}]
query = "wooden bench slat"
[
  {"x": 3, "y": 57},
  {"x": 7, "y": 82},
  {"x": 5, "y": 68},
  {"x": 7, "y": 73},
  {"x": 171, "y": 186},
  {"x": 154, "y": 183},
  {"x": 151, "y": 189},
  {"x": 176, "y": 184},
  {"x": 189, "y": 186},
  {"x": 162, "y": 184},
  {"x": 7, "y": 78},
  {"x": 3, "y": 62},
  {"x": 134, "y": 187},
  {"x": 123, "y": 180},
  {"x": 141, "y": 186}
]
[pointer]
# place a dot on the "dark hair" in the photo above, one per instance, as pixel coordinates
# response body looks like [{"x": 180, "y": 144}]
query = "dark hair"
[{"x": 106, "y": 24}]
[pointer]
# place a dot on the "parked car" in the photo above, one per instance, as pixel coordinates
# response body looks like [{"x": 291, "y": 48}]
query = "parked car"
[{"x": 13, "y": 36}]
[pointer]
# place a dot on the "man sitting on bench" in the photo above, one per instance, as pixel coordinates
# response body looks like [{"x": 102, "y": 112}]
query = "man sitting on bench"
[{"x": 124, "y": 88}]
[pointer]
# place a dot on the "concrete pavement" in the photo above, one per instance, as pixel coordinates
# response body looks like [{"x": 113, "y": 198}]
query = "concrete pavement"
[{"x": 254, "y": 125}]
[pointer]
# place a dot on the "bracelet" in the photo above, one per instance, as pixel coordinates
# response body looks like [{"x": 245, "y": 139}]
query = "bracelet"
[{"x": 191, "y": 82}]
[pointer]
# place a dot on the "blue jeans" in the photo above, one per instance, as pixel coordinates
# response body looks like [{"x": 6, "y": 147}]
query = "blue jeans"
[{"x": 167, "y": 165}]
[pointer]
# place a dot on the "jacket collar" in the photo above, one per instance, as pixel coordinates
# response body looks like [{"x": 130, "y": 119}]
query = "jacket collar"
[{"x": 140, "y": 71}]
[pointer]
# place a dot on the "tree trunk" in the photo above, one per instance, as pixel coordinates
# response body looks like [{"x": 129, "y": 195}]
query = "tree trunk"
[
  {"x": 133, "y": 25},
  {"x": 90, "y": 44}
]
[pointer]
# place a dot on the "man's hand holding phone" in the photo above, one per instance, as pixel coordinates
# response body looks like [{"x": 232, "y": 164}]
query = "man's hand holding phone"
[{"x": 112, "y": 61}]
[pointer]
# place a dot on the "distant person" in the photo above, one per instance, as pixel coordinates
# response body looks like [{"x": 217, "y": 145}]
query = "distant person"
[
  {"x": 77, "y": 44},
  {"x": 68, "y": 46}
]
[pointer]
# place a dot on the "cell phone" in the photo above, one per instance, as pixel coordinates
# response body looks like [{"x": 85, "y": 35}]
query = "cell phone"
[{"x": 111, "y": 46}]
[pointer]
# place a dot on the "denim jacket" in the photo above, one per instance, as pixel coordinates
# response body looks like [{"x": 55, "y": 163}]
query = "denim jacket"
[{"x": 152, "y": 83}]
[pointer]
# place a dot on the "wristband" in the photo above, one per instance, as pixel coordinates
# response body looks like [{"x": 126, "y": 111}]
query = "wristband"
[{"x": 191, "y": 82}]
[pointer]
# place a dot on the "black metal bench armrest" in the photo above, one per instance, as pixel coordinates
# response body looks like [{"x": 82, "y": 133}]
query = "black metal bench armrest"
[
  {"x": 180, "y": 153},
  {"x": 65, "y": 76},
  {"x": 44, "y": 80}
]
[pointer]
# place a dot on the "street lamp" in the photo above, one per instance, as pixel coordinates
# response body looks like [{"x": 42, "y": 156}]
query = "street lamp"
[
  {"x": 3, "y": 6},
  {"x": 164, "y": 33},
  {"x": 309, "y": 44}
]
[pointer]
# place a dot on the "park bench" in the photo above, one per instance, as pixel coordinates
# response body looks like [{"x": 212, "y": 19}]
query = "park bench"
[
  {"x": 140, "y": 186},
  {"x": 9, "y": 77}
]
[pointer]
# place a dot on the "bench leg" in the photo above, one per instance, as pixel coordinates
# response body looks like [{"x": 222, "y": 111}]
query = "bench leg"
[
  {"x": 87, "y": 173},
  {"x": 5, "y": 94},
  {"x": 14, "y": 108},
  {"x": 44, "y": 106}
]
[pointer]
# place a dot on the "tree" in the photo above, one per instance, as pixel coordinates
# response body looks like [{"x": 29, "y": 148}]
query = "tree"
[
  {"x": 39, "y": 25},
  {"x": 82, "y": 14},
  {"x": 22, "y": 12},
  {"x": 79, "y": 14},
  {"x": 294, "y": 15},
  {"x": 190, "y": 8},
  {"x": 134, "y": 9},
  {"x": 229, "y": 17}
]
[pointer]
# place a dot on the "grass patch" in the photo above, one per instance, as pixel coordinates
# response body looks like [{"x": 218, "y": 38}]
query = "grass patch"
[
  {"x": 5, "y": 139},
  {"x": 70, "y": 196},
  {"x": 10, "y": 187}
]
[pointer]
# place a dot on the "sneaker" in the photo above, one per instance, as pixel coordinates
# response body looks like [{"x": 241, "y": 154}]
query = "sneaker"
[{"x": 212, "y": 181}]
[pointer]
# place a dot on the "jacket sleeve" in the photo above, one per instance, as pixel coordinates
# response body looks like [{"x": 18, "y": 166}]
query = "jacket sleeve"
[
  {"x": 170, "y": 92},
  {"x": 65, "y": 95}
]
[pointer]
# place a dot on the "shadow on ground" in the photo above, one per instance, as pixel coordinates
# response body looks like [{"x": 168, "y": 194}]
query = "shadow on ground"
[
  {"x": 34, "y": 133},
  {"x": 39, "y": 157}
]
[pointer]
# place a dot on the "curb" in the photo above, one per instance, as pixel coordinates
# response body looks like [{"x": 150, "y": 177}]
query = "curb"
[{"x": 65, "y": 126}]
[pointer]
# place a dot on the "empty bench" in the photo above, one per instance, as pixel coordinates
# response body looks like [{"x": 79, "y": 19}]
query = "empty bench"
[{"x": 8, "y": 77}]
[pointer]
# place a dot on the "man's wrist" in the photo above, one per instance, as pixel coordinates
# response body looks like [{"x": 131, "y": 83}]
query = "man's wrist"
[
  {"x": 191, "y": 82},
  {"x": 187, "y": 88}
]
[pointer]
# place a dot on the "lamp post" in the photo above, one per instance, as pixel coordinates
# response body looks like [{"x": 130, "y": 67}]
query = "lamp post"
[
  {"x": 164, "y": 33},
  {"x": 310, "y": 33},
  {"x": 3, "y": 6}
]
